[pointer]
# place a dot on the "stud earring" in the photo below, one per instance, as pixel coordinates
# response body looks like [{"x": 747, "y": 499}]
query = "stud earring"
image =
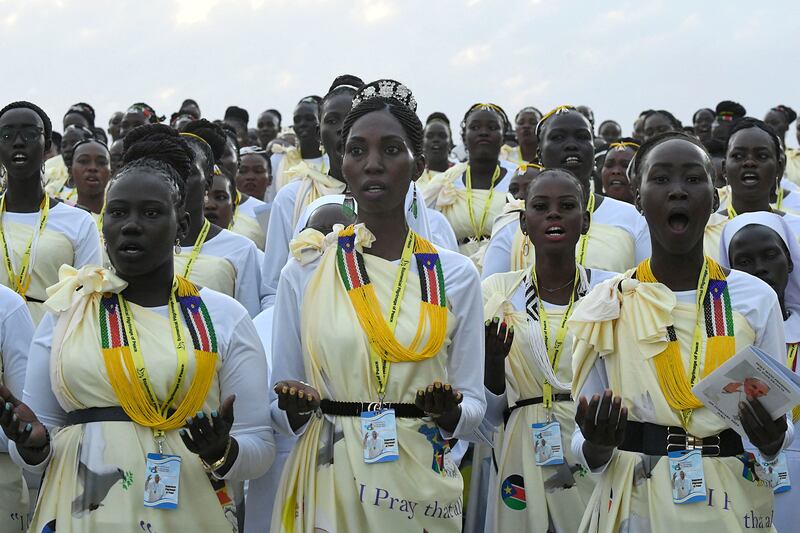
[{"x": 177, "y": 247}]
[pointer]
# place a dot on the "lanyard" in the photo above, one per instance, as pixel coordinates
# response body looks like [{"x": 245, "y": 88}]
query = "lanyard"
[
  {"x": 20, "y": 282},
  {"x": 697, "y": 338},
  {"x": 380, "y": 365},
  {"x": 138, "y": 358},
  {"x": 553, "y": 354},
  {"x": 198, "y": 244},
  {"x": 791, "y": 360},
  {"x": 779, "y": 204},
  {"x": 584, "y": 242},
  {"x": 731, "y": 211},
  {"x": 478, "y": 230}
]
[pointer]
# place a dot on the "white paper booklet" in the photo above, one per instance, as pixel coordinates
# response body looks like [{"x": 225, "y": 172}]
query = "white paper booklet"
[{"x": 750, "y": 374}]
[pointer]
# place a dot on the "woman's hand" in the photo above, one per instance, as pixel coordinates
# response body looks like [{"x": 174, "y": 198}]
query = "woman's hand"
[
  {"x": 498, "y": 342},
  {"x": 209, "y": 436},
  {"x": 298, "y": 400},
  {"x": 602, "y": 422},
  {"x": 442, "y": 403},
  {"x": 20, "y": 425},
  {"x": 766, "y": 434}
]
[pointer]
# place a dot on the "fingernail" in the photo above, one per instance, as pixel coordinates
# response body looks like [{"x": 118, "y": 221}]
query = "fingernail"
[
  {"x": 189, "y": 421},
  {"x": 437, "y": 385},
  {"x": 184, "y": 433},
  {"x": 487, "y": 322},
  {"x": 200, "y": 414},
  {"x": 28, "y": 427},
  {"x": 742, "y": 405},
  {"x": 496, "y": 320},
  {"x": 214, "y": 414},
  {"x": 9, "y": 406},
  {"x": 511, "y": 329}
]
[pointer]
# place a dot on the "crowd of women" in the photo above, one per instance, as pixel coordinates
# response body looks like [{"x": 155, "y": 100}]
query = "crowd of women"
[{"x": 342, "y": 326}]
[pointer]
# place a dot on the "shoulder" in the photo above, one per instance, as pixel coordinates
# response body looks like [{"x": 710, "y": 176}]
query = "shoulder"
[
  {"x": 501, "y": 282},
  {"x": 10, "y": 302},
  {"x": 598, "y": 276},
  {"x": 65, "y": 211},
  {"x": 287, "y": 194},
  {"x": 457, "y": 267},
  {"x": 225, "y": 312},
  {"x": 233, "y": 240},
  {"x": 749, "y": 294},
  {"x": 451, "y": 174},
  {"x": 618, "y": 213}
]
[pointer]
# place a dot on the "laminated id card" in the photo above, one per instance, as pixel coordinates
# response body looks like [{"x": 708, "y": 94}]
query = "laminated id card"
[
  {"x": 686, "y": 476},
  {"x": 161, "y": 481},
  {"x": 775, "y": 474},
  {"x": 379, "y": 435},
  {"x": 547, "y": 448}
]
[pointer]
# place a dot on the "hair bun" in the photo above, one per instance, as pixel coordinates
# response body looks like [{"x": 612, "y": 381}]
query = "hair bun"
[
  {"x": 347, "y": 80},
  {"x": 211, "y": 133},
  {"x": 437, "y": 115},
  {"x": 161, "y": 143}
]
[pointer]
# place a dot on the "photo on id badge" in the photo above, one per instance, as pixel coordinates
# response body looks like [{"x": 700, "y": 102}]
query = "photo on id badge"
[
  {"x": 380, "y": 436},
  {"x": 688, "y": 481},
  {"x": 161, "y": 481},
  {"x": 547, "y": 444}
]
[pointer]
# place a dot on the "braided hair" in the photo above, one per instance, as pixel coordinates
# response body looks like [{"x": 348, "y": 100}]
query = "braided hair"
[
  {"x": 637, "y": 163},
  {"x": 408, "y": 119},
  {"x": 213, "y": 134},
  {"x": 158, "y": 149},
  {"x": 496, "y": 109},
  {"x": 46, "y": 124}
]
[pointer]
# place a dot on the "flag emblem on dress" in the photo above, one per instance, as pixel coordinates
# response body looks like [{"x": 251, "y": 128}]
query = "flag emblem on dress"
[
  {"x": 717, "y": 309},
  {"x": 513, "y": 492}
]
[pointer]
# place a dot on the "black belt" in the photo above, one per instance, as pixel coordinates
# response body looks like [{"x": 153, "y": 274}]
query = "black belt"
[
  {"x": 562, "y": 397},
  {"x": 466, "y": 240},
  {"x": 652, "y": 439},
  {"x": 97, "y": 414},
  {"x": 401, "y": 410}
]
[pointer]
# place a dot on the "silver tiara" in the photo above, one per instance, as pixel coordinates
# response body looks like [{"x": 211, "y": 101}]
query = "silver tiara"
[{"x": 386, "y": 89}]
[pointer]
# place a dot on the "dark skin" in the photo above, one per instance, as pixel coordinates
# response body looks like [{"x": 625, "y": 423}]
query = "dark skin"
[
  {"x": 114, "y": 124},
  {"x": 192, "y": 110},
  {"x": 518, "y": 186},
  {"x": 553, "y": 221},
  {"x": 116, "y": 152},
  {"x": 610, "y": 131},
  {"x": 306, "y": 127},
  {"x": 752, "y": 167},
  {"x": 703, "y": 122},
  {"x": 379, "y": 167},
  {"x": 267, "y": 127},
  {"x": 614, "y": 175},
  {"x": 437, "y": 145},
  {"x": 131, "y": 119},
  {"x": 253, "y": 177},
  {"x": 655, "y": 124},
  {"x": 778, "y": 121},
  {"x": 760, "y": 251},
  {"x": 566, "y": 141},
  {"x": 219, "y": 202},
  {"x": 483, "y": 138},
  {"x": 197, "y": 186},
  {"x": 72, "y": 136},
  {"x": 90, "y": 170},
  {"x": 75, "y": 119},
  {"x": 229, "y": 162},
  {"x": 525, "y": 125},
  {"x": 677, "y": 188},
  {"x": 333, "y": 112},
  {"x": 23, "y": 161},
  {"x": 326, "y": 216}
]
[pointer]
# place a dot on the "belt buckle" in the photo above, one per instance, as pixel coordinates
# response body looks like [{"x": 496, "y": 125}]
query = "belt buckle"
[
  {"x": 690, "y": 442},
  {"x": 715, "y": 448}
]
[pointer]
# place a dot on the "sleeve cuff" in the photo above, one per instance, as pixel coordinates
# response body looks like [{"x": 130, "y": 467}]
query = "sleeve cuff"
[{"x": 38, "y": 469}]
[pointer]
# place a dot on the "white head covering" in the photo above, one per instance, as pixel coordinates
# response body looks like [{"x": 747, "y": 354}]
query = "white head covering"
[
  {"x": 777, "y": 224},
  {"x": 418, "y": 222}
]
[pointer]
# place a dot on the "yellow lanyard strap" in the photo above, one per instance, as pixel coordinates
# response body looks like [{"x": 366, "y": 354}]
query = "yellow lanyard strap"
[
  {"x": 138, "y": 358},
  {"x": 553, "y": 353},
  {"x": 584, "y": 241},
  {"x": 379, "y": 365},
  {"x": 198, "y": 245},
  {"x": 791, "y": 356},
  {"x": 697, "y": 338},
  {"x": 478, "y": 230},
  {"x": 20, "y": 282}
]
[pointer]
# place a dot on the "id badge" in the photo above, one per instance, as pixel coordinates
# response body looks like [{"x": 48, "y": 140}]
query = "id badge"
[
  {"x": 379, "y": 436},
  {"x": 547, "y": 449},
  {"x": 776, "y": 474},
  {"x": 686, "y": 476},
  {"x": 161, "y": 481}
]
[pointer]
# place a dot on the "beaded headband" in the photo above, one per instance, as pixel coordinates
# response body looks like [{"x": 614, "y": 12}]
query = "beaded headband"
[
  {"x": 557, "y": 111},
  {"x": 620, "y": 146},
  {"x": 386, "y": 89}
]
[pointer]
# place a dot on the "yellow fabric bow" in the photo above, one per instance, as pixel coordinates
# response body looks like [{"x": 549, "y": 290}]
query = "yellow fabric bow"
[{"x": 74, "y": 285}]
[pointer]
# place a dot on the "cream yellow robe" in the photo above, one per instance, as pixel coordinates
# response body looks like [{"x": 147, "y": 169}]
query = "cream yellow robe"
[
  {"x": 627, "y": 326},
  {"x": 249, "y": 227}
]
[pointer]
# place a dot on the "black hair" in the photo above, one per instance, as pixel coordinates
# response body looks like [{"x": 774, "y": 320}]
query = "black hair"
[
  {"x": 237, "y": 113},
  {"x": 637, "y": 163},
  {"x": 716, "y": 147},
  {"x": 609, "y": 121},
  {"x": 46, "y": 124},
  {"x": 540, "y": 127},
  {"x": 674, "y": 122},
  {"x": 694, "y": 117},
  {"x": 750, "y": 122},
  {"x": 559, "y": 171},
  {"x": 248, "y": 150},
  {"x": 81, "y": 143},
  {"x": 313, "y": 100},
  {"x": 438, "y": 115},
  {"x": 100, "y": 133},
  {"x": 213, "y": 134},
  {"x": 344, "y": 84},
  {"x": 189, "y": 101},
  {"x": 276, "y": 113},
  {"x": 84, "y": 110},
  {"x": 528, "y": 109},
  {"x": 730, "y": 108},
  {"x": 55, "y": 138},
  {"x": 787, "y": 112},
  {"x": 496, "y": 109},
  {"x": 157, "y": 148},
  {"x": 408, "y": 119},
  {"x": 230, "y": 133},
  {"x": 149, "y": 113}
]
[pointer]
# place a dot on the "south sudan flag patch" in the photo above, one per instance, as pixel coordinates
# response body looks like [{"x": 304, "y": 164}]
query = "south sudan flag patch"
[{"x": 513, "y": 492}]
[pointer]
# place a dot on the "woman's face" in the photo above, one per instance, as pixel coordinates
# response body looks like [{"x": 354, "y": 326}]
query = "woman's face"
[
  {"x": 676, "y": 195},
  {"x": 614, "y": 174},
  {"x": 229, "y": 162},
  {"x": 777, "y": 120},
  {"x": 141, "y": 223},
  {"x": 378, "y": 163},
  {"x": 219, "y": 202},
  {"x": 525, "y": 126},
  {"x": 130, "y": 120},
  {"x": 197, "y": 184},
  {"x": 656, "y": 124},
  {"x": 72, "y": 136},
  {"x": 117, "y": 152},
  {"x": 484, "y": 135},
  {"x": 267, "y": 128},
  {"x": 610, "y": 131},
  {"x": 22, "y": 142},
  {"x": 703, "y": 122},
  {"x": 751, "y": 165},
  {"x": 306, "y": 123},
  {"x": 566, "y": 141},
  {"x": 253, "y": 177},
  {"x": 75, "y": 119},
  {"x": 554, "y": 216},
  {"x": 334, "y": 110},
  {"x": 760, "y": 251},
  {"x": 91, "y": 169},
  {"x": 518, "y": 186},
  {"x": 436, "y": 141}
]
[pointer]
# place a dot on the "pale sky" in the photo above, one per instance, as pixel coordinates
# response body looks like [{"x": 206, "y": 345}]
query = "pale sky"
[{"x": 618, "y": 57}]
